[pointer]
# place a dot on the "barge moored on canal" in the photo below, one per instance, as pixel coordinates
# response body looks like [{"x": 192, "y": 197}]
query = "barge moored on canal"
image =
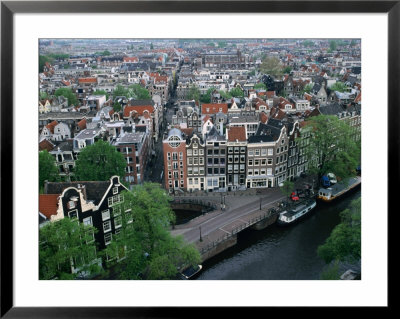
[
  {"x": 331, "y": 193},
  {"x": 289, "y": 216}
]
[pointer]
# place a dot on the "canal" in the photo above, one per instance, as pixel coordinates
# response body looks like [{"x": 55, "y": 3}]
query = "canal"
[{"x": 279, "y": 253}]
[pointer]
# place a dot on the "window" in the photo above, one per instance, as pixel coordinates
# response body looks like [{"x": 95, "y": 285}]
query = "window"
[
  {"x": 73, "y": 213},
  {"x": 118, "y": 222},
  {"x": 87, "y": 221},
  {"x": 115, "y": 190},
  {"x": 257, "y": 152},
  {"x": 71, "y": 204},
  {"x": 107, "y": 226},
  {"x": 105, "y": 214},
  {"x": 270, "y": 151},
  {"x": 107, "y": 238}
]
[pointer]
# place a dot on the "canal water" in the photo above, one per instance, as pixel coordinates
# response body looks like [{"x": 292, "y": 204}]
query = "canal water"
[{"x": 279, "y": 253}]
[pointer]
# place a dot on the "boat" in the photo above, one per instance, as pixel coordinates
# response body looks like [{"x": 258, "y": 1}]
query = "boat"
[
  {"x": 340, "y": 188},
  {"x": 292, "y": 214},
  {"x": 190, "y": 272}
]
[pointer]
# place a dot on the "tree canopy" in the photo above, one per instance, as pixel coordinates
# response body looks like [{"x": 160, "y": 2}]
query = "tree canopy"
[
  {"x": 133, "y": 91},
  {"x": 338, "y": 86},
  {"x": 261, "y": 86},
  {"x": 144, "y": 242},
  {"x": 194, "y": 93},
  {"x": 98, "y": 162},
  {"x": 344, "y": 243},
  {"x": 65, "y": 244},
  {"x": 271, "y": 66},
  {"x": 47, "y": 168},
  {"x": 67, "y": 93},
  {"x": 331, "y": 146},
  {"x": 236, "y": 92}
]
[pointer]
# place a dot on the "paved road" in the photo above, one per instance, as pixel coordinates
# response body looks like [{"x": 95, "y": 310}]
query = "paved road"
[{"x": 238, "y": 206}]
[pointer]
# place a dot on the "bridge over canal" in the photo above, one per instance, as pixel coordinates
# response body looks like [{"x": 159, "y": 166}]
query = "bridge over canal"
[{"x": 217, "y": 230}]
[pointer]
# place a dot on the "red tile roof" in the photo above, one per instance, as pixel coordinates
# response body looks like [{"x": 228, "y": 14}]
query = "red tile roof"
[
  {"x": 51, "y": 126},
  {"x": 82, "y": 124},
  {"x": 48, "y": 204},
  {"x": 237, "y": 133},
  {"x": 139, "y": 109},
  {"x": 214, "y": 108},
  {"x": 263, "y": 117},
  {"x": 46, "y": 145},
  {"x": 131, "y": 59},
  {"x": 87, "y": 80}
]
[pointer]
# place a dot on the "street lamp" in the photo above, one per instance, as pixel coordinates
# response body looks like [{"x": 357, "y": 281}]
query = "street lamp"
[
  {"x": 201, "y": 239},
  {"x": 260, "y": 202}
]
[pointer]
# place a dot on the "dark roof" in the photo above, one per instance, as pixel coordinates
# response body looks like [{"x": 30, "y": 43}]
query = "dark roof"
[
  {"x": 141, "y": 102},
  {"x": 140, "y": 128},
  {"x": 94, "y": 190},
  {"x": 331, "y": 109},
  {"x": 265, "y": 133},
  {"x": 67, "y": 145}
]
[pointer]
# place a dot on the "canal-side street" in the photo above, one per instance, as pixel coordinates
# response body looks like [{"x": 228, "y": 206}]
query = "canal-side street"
[{"x": 279, "y": 253}]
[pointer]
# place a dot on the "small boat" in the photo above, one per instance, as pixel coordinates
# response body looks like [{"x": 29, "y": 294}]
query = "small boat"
[
  {"x": 291, "y": 215},
  {"x": 339, "y": 189},
  {"x": 190, "y": 272}
]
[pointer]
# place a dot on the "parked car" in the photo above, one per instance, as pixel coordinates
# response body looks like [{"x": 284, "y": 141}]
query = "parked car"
[
  {"x": 332, "y": 178},
  {"x": 294, "y": 197}
]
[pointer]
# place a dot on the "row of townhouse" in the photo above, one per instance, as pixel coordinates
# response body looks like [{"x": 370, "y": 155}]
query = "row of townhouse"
[
  {"x": 229, "y": 162},
  {"x": 223, "y": 156},
  {"x": 131, "y": 135}
]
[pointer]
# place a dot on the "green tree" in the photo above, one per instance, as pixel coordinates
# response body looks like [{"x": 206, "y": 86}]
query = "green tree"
[
  {"x": 65, "y": 245},
  {"x": 138, "y": 92},
  {"x": 119, "y": 90},
  {"x": 206, "y": 98},
  {"x": 332, "y": 45},
  {"x": 47, "y": 169},
  {"x": 271, "y": 66},
  {"x": 308, "y": 43},
  {"x": 43, "y": 96},
  {"x": 259, "y": 86},
  {"x": 338, "y": 86},
  {"x": 194, "y": 93},
  {"x": 344, "y": 243},
  {"x": 42, "y": 61},
  {"x": 236, "y": 92},
  {"x": 331, "y": 146},
  {"x": 307, "y": 88},
  {"x": 98, "y": 162},
  {"x": 287, "y": 188},
  {"x": 287, "y": 69},
  {"x": 148, "y": 249},
  {"x": 67, "y": 93},
  {"x": 225, "y": 95},
  {"x": 117, "y": 107}
]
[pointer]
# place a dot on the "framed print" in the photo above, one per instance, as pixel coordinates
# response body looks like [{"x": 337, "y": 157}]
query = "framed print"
[{"x": 163, "y": 30}]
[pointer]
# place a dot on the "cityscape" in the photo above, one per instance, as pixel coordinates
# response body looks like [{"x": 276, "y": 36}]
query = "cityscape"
[{"x": 186, "y": 158}]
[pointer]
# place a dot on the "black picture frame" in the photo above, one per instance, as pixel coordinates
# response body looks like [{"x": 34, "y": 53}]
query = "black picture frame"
[{"x": 9, "y": 8}]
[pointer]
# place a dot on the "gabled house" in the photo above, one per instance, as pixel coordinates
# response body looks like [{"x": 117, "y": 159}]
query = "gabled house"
[{"x": 92, "y": 203}]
